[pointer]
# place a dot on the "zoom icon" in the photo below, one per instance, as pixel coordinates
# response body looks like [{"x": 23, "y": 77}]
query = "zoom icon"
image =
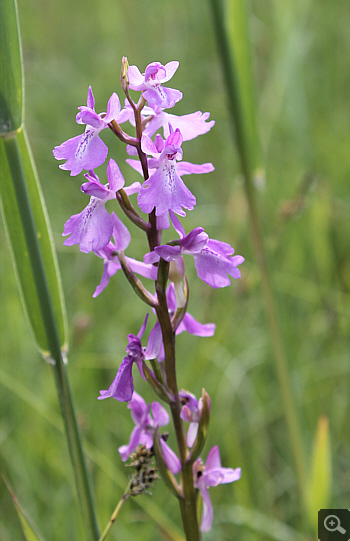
[{"x": 334, "y": 525}]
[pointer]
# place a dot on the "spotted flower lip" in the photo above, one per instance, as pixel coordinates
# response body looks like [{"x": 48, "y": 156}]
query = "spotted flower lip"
[
  {"x": 150, "y": 83},
  {"x": 165, "y": 190},
  {"x": 92, "y": 228},
  {"x": 211, "y": 475},
  {"x": 88, "y": 151}
]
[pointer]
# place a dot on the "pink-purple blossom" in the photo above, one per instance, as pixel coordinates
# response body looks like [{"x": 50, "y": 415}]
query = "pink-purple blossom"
[
  {"x": 147, "y": 417},
  {"x": 122, "y": 387},
  {"x": 165, "y": 190},
  {"x": 88, "y": 151},
  {"x": 213, "y": 259},
  {"x": 150, "y": 83},
  {"x": 211, "y": 475},
  {"x": 92, "y": 228}
]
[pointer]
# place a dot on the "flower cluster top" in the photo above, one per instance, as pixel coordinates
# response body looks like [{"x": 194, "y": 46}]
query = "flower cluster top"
[{"x": 163, "y": 191}]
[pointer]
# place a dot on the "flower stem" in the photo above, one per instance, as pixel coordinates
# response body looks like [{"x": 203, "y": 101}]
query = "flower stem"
[
  {"x": 114, "y": 515},
  {"x": 241, "y": 137}
]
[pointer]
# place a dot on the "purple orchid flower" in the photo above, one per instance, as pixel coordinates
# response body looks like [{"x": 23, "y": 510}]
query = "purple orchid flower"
[
  {"x": 190, "y": 125},
  {"x": 122, "y": 387},
  {"x": 165, "y": 190},
  {"x": 92, "y": 228},
  {"x": 150, "y": 83},
  {"x": 143, "y": 433},
  {"x": 191, "y": 412},
  {"x": 210, "y": 476},
  {"x": 88, "y": 151},
  {"x": 212, "y": 258}
]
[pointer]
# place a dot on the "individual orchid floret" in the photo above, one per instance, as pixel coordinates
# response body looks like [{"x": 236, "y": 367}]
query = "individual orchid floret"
[
  {"x": 191, "y": 412},
  {"x": 122, "y": 387},
  {"x": 211, "y": 475},
  {"x": 111, "y": 263},
  {"x": 213, "y": 259},
  {"x": 150, "y": 83},
  {"x": 147, "y": 418},
  {"x": 165, "y": 190},
  {"x": 92, "y": 228},
  {"x": 88, "y": 151}
]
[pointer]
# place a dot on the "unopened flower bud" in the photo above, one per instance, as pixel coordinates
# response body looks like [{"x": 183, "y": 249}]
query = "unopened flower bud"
[{"x": 124, "y": 74}]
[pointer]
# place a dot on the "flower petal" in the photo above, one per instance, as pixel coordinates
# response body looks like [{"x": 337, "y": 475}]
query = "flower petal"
[
  {"x": 154, "y": 342},
  {"x": 136, "y": 80},
  {"x": 126, "y": 450},
  {"x": 170, "y": 458},
  {"x": 207, "y": 513},
  {"x": 91, "y": 229},
  {"x": 109, "y": 269},
  {"x": 192, "y": 326},
  {"x": 115, "y": 178},
  {"x": 122, "y": 387},
  {"x": 160, "y": 415},
  {"x": 113, "y": 108}
]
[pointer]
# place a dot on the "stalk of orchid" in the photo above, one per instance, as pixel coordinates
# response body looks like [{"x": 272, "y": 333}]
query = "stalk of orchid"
[{"x": 161, "y": 197}]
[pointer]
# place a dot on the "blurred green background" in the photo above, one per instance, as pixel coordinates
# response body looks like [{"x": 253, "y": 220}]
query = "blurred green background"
[{"x": 300, "y": 54}]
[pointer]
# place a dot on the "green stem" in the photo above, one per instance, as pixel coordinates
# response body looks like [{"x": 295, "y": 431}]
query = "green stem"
[
  {"x": 114, "y": 516},
  {"x": 235, "y": 107},
  {"x": 60, "y": 370}
]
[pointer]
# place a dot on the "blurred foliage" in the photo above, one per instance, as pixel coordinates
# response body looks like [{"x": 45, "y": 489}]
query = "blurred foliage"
[{"x": 299, "y": 56}]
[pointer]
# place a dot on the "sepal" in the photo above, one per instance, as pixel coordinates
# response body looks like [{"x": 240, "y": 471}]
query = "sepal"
[
  {"x": 158, "y": 388},
  {"x": 181, "y": 310},
  {"x": 202, "y": 427},
  {"x": 163, "y": 469}
]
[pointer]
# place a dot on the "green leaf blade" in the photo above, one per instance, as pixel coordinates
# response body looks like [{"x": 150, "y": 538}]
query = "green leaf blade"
[
  {"x": 237, "y": 31},
  {"x": 11, "y": 72},
  {"x": 318, "y": 489},
  {"x": 21, "y": 247}
]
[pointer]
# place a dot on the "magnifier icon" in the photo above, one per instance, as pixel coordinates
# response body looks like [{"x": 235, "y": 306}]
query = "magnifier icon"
[{"x": 332, "y": 524}]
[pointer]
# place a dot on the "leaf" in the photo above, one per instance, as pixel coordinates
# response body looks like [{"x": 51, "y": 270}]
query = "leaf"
[
  {"x": 22, "y": 200},
  {"x": 238, "y": 37},
  {"x": 318, "y": 488},
  {"x": 11, "y": 86},
  {"x": 29, "y": 530}
]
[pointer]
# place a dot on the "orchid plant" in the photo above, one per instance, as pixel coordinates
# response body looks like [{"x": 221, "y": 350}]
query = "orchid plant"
[{"x": 162, "y": 197}]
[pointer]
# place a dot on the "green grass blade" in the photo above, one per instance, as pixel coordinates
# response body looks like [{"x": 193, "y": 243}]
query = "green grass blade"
[
  {"x": 246, "y": 157},
  {"x": 28, "y": 229},
  {"x": 29, "y": 530},
  {"x": 11, "y": 77},
  {"x": 237, "y": 32}
]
